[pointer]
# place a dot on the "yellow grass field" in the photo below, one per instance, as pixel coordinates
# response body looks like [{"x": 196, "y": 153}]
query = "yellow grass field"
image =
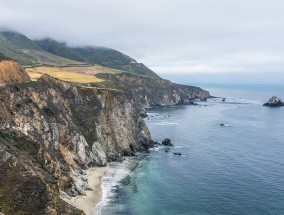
[
  {"x": 70, "y": 75},
  {"x": 91, "y": 70}
]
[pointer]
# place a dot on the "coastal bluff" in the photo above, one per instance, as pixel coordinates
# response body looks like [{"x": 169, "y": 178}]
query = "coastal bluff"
[
  {"x": 12, "y": 72},
  {"x": 52, "y": 132}
]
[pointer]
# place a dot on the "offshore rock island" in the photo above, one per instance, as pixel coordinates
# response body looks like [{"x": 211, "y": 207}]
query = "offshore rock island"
[
  {"x": 60, "y": 116},
  {"x": 274, "y": 101}
]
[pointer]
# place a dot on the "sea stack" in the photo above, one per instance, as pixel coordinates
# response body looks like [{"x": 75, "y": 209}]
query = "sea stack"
[
  {"x": 167, "y": 142},
  {"x": 274, "y": 101}
]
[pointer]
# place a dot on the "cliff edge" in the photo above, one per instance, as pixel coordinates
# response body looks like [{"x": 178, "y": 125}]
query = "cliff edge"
[
  {"x": 146, "y": 91},
  {"x": 51, "y": 131},
  {"x": 12, "y": 72}
]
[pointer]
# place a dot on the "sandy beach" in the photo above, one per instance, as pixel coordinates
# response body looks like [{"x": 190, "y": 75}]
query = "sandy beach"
[{"x": 88, "y": 203}]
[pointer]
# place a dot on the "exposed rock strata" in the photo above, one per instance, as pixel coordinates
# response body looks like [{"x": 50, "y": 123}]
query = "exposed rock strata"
[
  {"x": 69, "y": 129},
  {"x": 147, "y": 91},
  {"x": 12, "y": 72},
  {"x": 51, "y": 131},
  {"x": 174, "y": 95}
]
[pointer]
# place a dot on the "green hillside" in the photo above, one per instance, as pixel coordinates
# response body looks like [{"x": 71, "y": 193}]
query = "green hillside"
[
  {"x": 3, "y": 57},
  {"x": 96, "y": 55},
  {"x": 49, "y": 52},
  {"x": 20, "y": 48}
]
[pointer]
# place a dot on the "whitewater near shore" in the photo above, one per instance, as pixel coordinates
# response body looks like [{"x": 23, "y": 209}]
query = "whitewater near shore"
[
  {"x": 93, "y": 197},
  {"x": 103, "y": 183}
]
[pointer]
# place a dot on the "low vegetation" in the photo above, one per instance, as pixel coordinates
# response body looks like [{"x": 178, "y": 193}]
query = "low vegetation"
[
  {"x": 12, "y": 72},
  {"x": 18, "y": 47},
  {"x": 97, "y": 55},
  {"x": 59, "y": 73},
  {"x": 91, "y": 70}
]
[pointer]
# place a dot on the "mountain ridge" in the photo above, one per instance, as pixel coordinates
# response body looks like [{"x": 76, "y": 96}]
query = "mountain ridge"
[
  {"x": 20, "y": 48},
  {"x": 32, "y": 53},
  {"x": 102, "y": 56}
]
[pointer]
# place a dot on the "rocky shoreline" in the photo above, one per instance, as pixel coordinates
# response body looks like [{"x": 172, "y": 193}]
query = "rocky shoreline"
[
  {"x": 88, "y": 202},
  {"x": 67, "y": 130},
  {"x": 51, "y": 132}
]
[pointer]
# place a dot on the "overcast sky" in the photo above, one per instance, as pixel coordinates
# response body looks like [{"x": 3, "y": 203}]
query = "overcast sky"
[{"x": 200, "y": 39}]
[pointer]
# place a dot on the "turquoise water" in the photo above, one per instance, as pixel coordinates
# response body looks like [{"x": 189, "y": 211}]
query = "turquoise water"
[{"x": 234, "y": 169}]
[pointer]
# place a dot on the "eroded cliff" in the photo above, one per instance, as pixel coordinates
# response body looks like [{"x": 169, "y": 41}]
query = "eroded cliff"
[
  {"x": 12, "y": 72},
  {"x": 51, "y": 131},
  {"x": 147, "y": 91}
]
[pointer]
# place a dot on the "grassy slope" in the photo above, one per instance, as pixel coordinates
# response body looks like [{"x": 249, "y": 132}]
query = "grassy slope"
[
  {"x": 3, "y": 57},
  {"x": 12, "y": 72},
  {"x": 28, "y": 52},
  {"x": 62, "y": 74},
  {"x": 20, "y": 48},
  {"x": 97, "y": 55}
]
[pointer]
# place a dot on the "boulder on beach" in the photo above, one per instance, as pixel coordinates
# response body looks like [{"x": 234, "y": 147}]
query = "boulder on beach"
[
  {"x": 167, "y": 142},
  {"x": 274, "y": 101}
]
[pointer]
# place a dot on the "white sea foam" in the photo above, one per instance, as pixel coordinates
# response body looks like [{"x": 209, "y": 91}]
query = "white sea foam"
[
  {"x": 178, "y": 147},
  {"x": 164, "y": 123},
  {"x": 115, "y": 174},
  {"x": 233, "y": 100}
]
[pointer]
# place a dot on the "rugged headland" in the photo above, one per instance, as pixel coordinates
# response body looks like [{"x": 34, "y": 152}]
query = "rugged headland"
[{"x": 52, "y": 131}]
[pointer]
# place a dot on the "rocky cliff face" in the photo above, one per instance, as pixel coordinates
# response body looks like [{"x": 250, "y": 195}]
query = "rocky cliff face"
[
  {"x": 27, "y": 185},
  {"x": 147, "y": 91},
  {"x": 51, "y": 131},
  {"x": 12, "y": 72},
  {"x": 173, "y": 95}
]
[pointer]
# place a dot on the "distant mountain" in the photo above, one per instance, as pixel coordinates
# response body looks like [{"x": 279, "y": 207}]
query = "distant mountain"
[
  {"x": 25, "y": 51},
  {"x": 96, "y": 55}
]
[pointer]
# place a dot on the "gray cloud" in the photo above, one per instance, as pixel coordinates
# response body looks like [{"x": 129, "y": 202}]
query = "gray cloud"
[{"x": 181, "y": 36}]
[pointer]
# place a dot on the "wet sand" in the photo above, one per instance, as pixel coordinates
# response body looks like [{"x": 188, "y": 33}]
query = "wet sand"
[{"x": 88, "y": 203}]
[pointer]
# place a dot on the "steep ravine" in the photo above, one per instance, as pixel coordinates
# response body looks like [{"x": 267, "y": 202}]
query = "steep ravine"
[{"x": 50, "y": 132}]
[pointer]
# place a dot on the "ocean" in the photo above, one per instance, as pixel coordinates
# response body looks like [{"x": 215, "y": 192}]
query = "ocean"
[{"x": 235, "y": 169}]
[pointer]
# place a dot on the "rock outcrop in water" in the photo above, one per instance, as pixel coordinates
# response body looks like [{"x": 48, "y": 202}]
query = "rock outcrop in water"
[
  {"x": 167, "y": 142},
  {"x": 274, "y": 102}
]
